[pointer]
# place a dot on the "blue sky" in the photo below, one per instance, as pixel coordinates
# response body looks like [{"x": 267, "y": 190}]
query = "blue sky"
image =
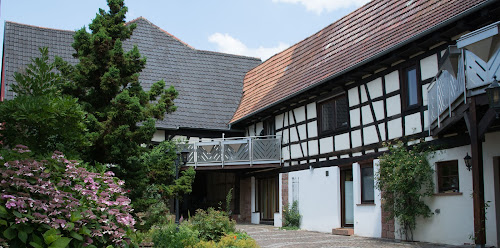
[{"x": 257, "y": 28}]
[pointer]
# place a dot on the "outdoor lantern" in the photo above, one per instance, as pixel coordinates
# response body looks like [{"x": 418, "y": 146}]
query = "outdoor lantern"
[
  {"x": 468, "y": 161},
  {"x": 493, "y": 92},
  {"x": 184, "y": 155}
]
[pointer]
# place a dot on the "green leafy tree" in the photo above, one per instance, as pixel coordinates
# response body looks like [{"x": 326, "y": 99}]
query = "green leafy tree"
[
  {"x": 405, "y": 179},
  {"x": 162, "y": 185},
  {"x": 121, "y": 114},
  {"x": 39, "y": 116}
]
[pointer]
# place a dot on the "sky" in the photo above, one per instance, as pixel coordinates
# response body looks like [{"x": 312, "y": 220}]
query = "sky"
[{"x": 256, "y": 28}]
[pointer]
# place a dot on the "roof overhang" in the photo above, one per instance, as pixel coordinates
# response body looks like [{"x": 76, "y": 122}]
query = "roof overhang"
[{"x": 483, "y": 42}]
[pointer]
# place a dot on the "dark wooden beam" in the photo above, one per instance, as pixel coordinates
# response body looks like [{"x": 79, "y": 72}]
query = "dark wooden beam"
[
  {"x": 477, "y": 175},
  {"x": 485, "y": 122}
]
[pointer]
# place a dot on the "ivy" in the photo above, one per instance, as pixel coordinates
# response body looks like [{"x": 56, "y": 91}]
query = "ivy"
[{"x": 405, "y": 179}]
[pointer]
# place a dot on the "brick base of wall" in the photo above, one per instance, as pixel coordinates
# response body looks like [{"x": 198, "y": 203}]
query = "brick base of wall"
[
  {"x": 387, "y": 226},
  {"x": 284, "y": 191}
]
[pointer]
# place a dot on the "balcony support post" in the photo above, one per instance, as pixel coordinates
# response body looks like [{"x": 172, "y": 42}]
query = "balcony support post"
[{"x": 477, "y": 175}]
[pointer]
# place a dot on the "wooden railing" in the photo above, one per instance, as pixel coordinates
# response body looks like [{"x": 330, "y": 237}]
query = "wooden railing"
[{"x": 235, "y": 151}]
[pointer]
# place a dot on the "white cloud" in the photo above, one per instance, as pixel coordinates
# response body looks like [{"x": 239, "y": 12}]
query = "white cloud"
[
  {"x": 319, "y": 6},
  {"x": 227, "y": 44}
]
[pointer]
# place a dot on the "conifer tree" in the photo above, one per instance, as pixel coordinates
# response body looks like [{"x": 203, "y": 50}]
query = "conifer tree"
[{"x": 121, "y": 115}]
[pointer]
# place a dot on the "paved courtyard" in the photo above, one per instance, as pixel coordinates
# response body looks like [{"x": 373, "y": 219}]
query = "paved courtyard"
[{"x": 272, "y": 237}]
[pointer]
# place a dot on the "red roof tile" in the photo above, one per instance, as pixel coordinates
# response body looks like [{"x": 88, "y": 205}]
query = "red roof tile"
[{"x": 370, "y": 30}]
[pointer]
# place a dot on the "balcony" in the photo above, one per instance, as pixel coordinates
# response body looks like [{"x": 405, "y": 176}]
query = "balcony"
[
  {"x": 462, "y": 74},
  {"x": 229, "y": 153}
]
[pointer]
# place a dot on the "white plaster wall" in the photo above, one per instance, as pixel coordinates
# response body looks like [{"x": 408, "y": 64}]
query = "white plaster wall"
[
  {"x": 312, "y": 129},
  {"x": 366, "y": 112},
  {"x": 455, "y": 222},
  {"x": 393, "y": 105},
  {"x": 355, "y": 117},
  {"x": 251, "y": 130},
  {"x": 353, "y": 96},
  {"x": 311, "y": 110},
  {"x": 391, "y": 82},
  {"x": 255, "y": 218},
  {"x": 364, "y": 98},
  {"x": 375, "y": 88},
  {"x": 342, "y": 142},
  {"x": 367, "y": 218},
  {"x": 378, "y": 107},
  {"x": 296, "y": 152},
  {"x": 319, "y": 198},
  {"x": 302, "y": 131},
  {"x": 413, "y": 124},
  {"x": 279, "y": 121},
  {"x": 394, "y": 128},
  {"x": 158, "y": 136},
  {"x": 278, "y": 219},
  {"x": 300, "y": 114},
  {"x": 356, "y": 138},
  {"x": 326, "y": 145},
  {"x": 313, "y": 147},
  {"x": 429, "y": 67},
  {"x": 370, "y": 135},
  {"x": 293, "y": 134},
  {"x": 381, "y": 128}
]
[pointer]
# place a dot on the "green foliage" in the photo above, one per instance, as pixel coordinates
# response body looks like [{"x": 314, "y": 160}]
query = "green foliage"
[
  {"x": 405, "y": 179},
  {"x": 212, "y": 224},
  {"x": 168, "y": 236},
  {"x": 41, "y": 118},
  {"x": 106, "y": 83},
  {"x": 160, "y": 171},
  {"x": 291, "y": 216},
  {"x": 157, "y": 214},
  {"x": 230, "y": 240},
  {"x": 38, "y": 78}
]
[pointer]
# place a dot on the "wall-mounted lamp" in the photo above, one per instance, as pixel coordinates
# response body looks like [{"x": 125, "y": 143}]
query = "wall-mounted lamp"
[
  {"x": 468, "y": 161},
  {"x": 493, "y": 92}
]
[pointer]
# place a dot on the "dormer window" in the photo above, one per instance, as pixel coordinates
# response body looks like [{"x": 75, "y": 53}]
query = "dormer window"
[{"x": 333, "y": 114}]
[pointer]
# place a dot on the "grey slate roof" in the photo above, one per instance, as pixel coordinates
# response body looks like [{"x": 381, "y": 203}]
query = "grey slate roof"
[{"x": 210, "y": 84}]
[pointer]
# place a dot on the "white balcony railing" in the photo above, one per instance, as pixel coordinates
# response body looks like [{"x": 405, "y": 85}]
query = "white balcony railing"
[
  {"x": 236, "y": 151},
  {"x": 448, "y": 91}
]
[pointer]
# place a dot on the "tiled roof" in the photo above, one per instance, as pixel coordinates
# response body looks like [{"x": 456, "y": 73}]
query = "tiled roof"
[
  {"x": 209, "y": 83},
  {"x": 376, "y": 28}
]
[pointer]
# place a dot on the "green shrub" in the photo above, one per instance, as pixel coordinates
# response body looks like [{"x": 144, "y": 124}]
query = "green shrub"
[
  {"x": 291, "y": 216},
  {"x": 212, "y": 224},
  {"x": 238, "y": 239},
  {"x": 168, "y": 236}
]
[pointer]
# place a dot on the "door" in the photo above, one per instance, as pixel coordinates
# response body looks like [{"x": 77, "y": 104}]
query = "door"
[
  {"x": 347, "y": 198},
  {"x": 267, "y": 197}
]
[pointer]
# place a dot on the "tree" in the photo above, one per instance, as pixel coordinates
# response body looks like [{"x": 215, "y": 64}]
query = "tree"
[
  {"x": 40, "y": 116},
  {"x": 106, "y": 82},
  {"x": 162, "y": 186},
  {"x": 405, "y": 179}
]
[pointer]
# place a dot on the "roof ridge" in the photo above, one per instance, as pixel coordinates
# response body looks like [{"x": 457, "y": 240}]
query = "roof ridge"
[
  {"x": 40, "y": 27},
  {"x": 230, "y": 54},
  {"x": 152, "y": 24}
]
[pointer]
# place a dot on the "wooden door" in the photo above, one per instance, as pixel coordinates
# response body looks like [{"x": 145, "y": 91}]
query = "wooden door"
[{"x": 347, "y": 198}]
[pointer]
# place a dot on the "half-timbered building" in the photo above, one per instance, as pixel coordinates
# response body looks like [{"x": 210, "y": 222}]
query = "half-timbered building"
[
  {"x": 377, "y": 75},
  {"x": 312, "y": 120}
]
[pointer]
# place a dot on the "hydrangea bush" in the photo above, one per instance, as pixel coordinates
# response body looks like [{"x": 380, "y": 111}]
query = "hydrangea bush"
[{"x": 57, "y": 203}]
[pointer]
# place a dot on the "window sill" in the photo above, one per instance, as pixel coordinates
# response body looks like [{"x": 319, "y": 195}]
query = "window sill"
[
  {"x": 447, "y": 193},
  {"x": 366, "y": 204}
]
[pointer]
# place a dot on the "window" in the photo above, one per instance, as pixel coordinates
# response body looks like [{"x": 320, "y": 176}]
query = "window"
[
  {"x": 412, "y": 87},
  {"x": 367, "y": 184},
  {"x": 269, "y": 127},
  {"x": 333, "y": 114},
  {"x": 447, "y": 176}
]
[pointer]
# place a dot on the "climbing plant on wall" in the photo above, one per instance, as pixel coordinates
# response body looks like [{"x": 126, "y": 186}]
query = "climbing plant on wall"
[{"x": 405, "y": 179}]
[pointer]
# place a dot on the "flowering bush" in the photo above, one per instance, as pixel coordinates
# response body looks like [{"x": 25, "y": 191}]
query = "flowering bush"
[{"x": 55, "y": 203}]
